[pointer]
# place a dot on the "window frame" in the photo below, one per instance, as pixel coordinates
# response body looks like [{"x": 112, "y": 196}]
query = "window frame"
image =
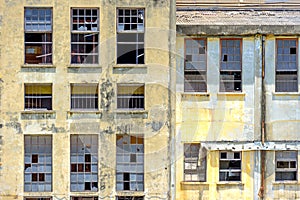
[
  {"x": 201, "y": 71},
  {"x": 289, "y": 169},
  {"x": 79, "y": 58},
  {"x": 33, "y": 44},
  {"x": 223, "y": 90},
  {"x": 278, "y": 71},
  {"x": 234, "y": 170},
  {"x": 138, "y": 85},
  {"x": 191, "y": 160},
  {"x": 85, "y": 96},
  {"x": 39, "y": 98},
  {"x": 136, "y": 32}
]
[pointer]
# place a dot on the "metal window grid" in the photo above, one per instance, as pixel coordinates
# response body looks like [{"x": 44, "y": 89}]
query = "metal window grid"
[
  {"x": 38, "y": 101},
  {"x": 127, "y": 99},
  {"x": 87, "y": 100},
  {"x": 38, "y": 164},
  {"x": 286, "y": 165},
  {"x": 230, "y": 166},
  {"x": 84, "y": 163}
]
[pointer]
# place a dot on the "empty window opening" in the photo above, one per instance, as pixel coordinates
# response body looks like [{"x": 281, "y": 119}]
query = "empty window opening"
[
  {"x": 84, "y": 97},
  {"x": 286, "y": 65},
  {"x": 130, "y": 163},
  {"x": 84, "y": 163},
  {"x": 38, "y": 96},
  {"x": 130, "y": 96},
  {"x": 130, "y": 36},
  {"x": 38, "y": 35},
  {"x": 38, "y": 164},
  {"x": 230, "y": 166},
  {"x": 195, "y": 67},
  {"x": 231, "y": 65},
  {"x": 194, "y": 162},
  {"x": 85, "y": 36},
  {"x": 286, "y": 166}
]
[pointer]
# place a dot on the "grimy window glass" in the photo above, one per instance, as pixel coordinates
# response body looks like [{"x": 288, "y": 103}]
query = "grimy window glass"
[
  {"x": 84, "y": 163},
  {"x": 38, "y": 35},
  {"x": 195, "y": 65},
  {"x": 130, "y": 96},
  {"x": 85, "y": 36},
  {"x": 231, "y": 65},
  {"x": 286, "y": 165},
  {"x": 38, "y": 164},
  {"x": 84, "y": 96},
  {"x": 194, "y": 162},
  {"x": 38, "y": 96},
  {"x": 230, "y": 166},
  {"x": 130, "y": 36},
  {"x": 286, "y": 65},
  {"x": 130, "y": 163}
]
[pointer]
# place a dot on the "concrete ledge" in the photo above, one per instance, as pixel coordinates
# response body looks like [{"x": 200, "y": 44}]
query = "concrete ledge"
[
  {"x": 194, "y": 96},
  {"x": 84, "y": 69},
  {"x": 127, "y": 114},
  {"x": 130, "y": 69},
  {"x": 286, "y": 183},
  {"x": 38, "y": 66},
  {"x": 84, "y": 114},
  {"x": 185, "y": 185},
  {"x": 38, "y": 114}
]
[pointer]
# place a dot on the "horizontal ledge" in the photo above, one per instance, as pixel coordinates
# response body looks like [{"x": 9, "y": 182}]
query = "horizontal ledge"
[
  {"x": 286, "y": 93},
  {"x": 38, "y": 66},
  {"x": 37, "y": 111},
  {"x": 121, "y": 111},
  {"x": 193, "y": 183},
  {"x": 84, "y": 65},
  {"x": 231, "y": 93},
  {"x": 198, "y": 94},
  {"x": 286, "y": 183},
  {"x": 130, "y": 66},
  {"x": 84, "y": 111},
  {"x": 238, "y": 183}
]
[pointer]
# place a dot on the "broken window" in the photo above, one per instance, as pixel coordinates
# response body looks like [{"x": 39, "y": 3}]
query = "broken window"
[
  {"x": 231, "y": 65},
  {"x": 195, "y": 65},
  {"x": 130, "y": 163},
  {"x": 38, "y": 198},
  {"x": 230, "y": 166},
  {"x": 130, "y": 96},
  {"x": 84, "y": 198},
  {"x": 130, "y": 36},
  {"x": 286, "y": 165},
  {"x": 286, "y": 65},
  {"x": 130, "y": 198},
  {"x": 38, "y": 96},
  {"x": 38, "y": 35},
  {"x": 38, "y": 164},
  {"x": 84, "y": 36},
  {"x": 84, "y": 96},
  {"x": 84, "y": 163},
  {"x": 194, "y": 162}
]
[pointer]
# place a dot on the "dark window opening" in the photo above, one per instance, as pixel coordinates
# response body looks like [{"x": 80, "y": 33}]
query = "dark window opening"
[{"x": 130, "y": 96}]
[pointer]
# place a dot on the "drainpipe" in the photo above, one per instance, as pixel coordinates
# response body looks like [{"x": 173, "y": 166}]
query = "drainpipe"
[{"x": 263, "y": 117}]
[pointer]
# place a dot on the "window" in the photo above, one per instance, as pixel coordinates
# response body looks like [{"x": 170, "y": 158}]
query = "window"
[
  {"x": 38, "y": 35},
  {"x": 84, "y": 36},
  {"x": 230, "y": 166},
  {"x": 84, "y": 96},
  {"x": 286, "y": 165},
  {"x": 38, "y": 164},
  {"x": 286, "y": 65},
  {"x": 84, "y": 198},
  {"x": 231, "y": 65},
  {"x": 195, "y": 65},
  {"x": 38, "y": 96},
  {"x": 130, "y": 96},
  {"x": 130, "y": 36},
  {"x": 84, "y": 163},
  {"x": 130, "y": 198},
  {"x": 130, "y": 163},
  {"x": 194, "y": 162}
]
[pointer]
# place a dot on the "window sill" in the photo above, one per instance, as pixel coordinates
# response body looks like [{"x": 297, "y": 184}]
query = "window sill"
[
  {"x": 84, "y": 114},
  {"x": 84, "y": 65},
  {"x": 130, "y": 65},
  {"x": 38, "y": 66},
  {"x": 285, "y": 183},
  {"x": 121, "y": 113},
  {"x": 131, "y": 111},
  {"x": 38, "y": 114},
  {"x": 38, "y": 111},
  {"x": 196, "y": 94},
  {"x": 84, "y": 111},
  {"x": 286, "y": 93},
  {"x": 193, "y": 183},
  {"x": 231, "y": 94},
  {"x": 238, "y": 183},
  {"x": 130, "y": 193}
]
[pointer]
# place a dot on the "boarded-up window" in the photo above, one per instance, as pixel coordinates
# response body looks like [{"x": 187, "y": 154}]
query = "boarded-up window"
[
  {"x": 231, "y": 65},
  {"x": 286, "y": 165},
  {"x": 130, "y": 36},
  {"x": 130, "y": 163},
  {"x": 194, "y": 162},
  {"x": 38, "y": 164},
  {"x": 130, "y": 96},
  {"x": 195, "y": 65},
  {"x": 84, "y": 96},
  {"x": 38, "y": 96},
  {"x": 230, "y": 166},
  {"x": 84, "y": 163},
  {"x": 286, "y": 65},
  {"x": 38, "y": 35}
]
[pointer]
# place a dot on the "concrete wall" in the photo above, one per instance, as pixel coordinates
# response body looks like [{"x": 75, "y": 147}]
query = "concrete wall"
[{"x": 107, "y": 121}]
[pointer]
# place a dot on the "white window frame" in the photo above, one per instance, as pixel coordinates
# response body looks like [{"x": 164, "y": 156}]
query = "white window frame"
[{"x": 286, "y": 159}]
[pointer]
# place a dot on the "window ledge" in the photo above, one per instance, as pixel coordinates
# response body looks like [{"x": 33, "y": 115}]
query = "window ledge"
[
  {"x": 230, "y": 183},
  {"x": 231, "y": 93},
  {"x": 286, "y": 93},
  {"x": 196, "y": 94},
  {"x": 285, "y": 182},
  {"x": 84, "y": 111},
  {"x": 37, "y": 111},
  {"x": 130, "y": 65},
  {"x": 38, "y": 65},
  {"x": 130, "y": 193},
  {"x": 84, "y": 65},
  {"x": 193, "y": 183},
  {"x": 131, "y": 111}
]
